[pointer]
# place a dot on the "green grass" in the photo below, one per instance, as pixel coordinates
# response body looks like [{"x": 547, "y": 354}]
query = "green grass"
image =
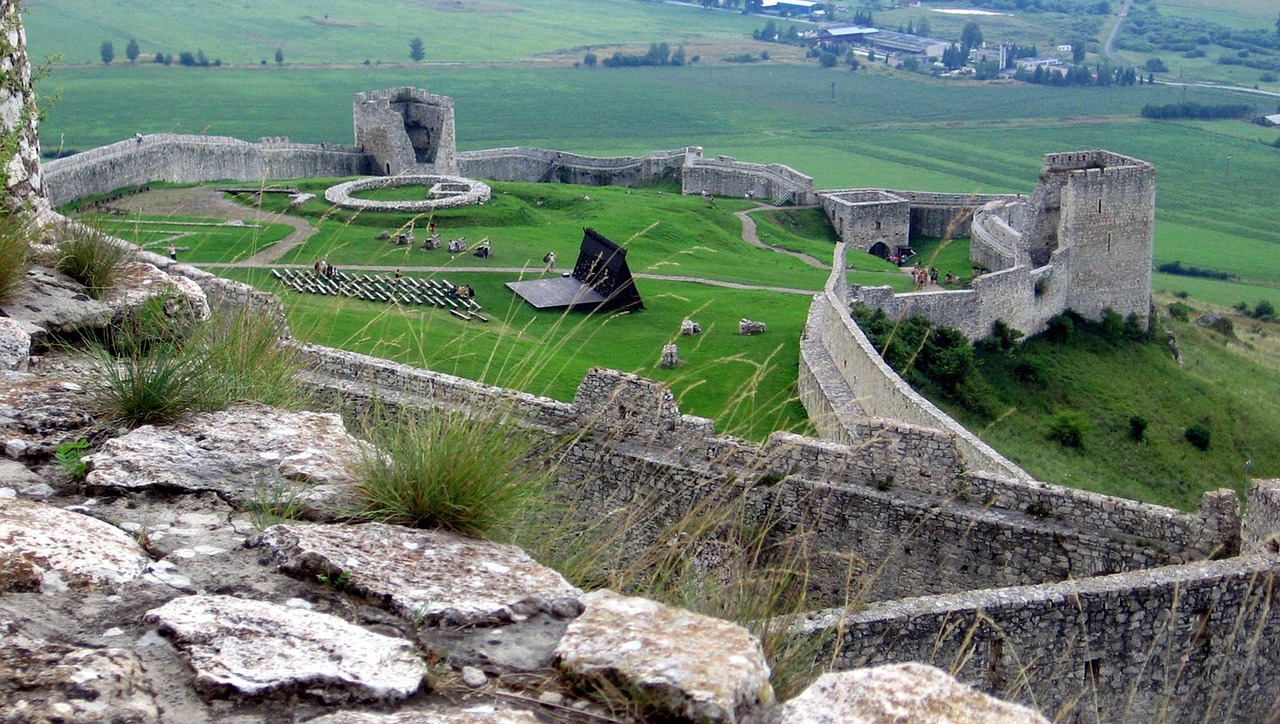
[
  {"x": 198, "y": 239},
  {"x": 746, "y": 384},
  {"x": 348, "y": 33},
  {"x": 1106, "y": 384}
]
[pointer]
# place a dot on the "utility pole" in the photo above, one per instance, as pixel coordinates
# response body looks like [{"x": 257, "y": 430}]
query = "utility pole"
[
  {"x": 1228, "y": 167},
  {"x": 833, "y": 91}
]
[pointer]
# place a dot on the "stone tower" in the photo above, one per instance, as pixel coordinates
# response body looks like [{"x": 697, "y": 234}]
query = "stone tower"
[
  {"x": 1100, "y": 206},
  {"x": 19, "y": 143},
  {"x": 406, "y": 131}
]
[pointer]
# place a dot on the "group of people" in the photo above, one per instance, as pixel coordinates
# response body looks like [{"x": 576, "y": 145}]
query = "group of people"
[
  {"x": 462, "y": 291},
  {"x": 924, "y": 276},
  {"x": 325, "y": 269}
]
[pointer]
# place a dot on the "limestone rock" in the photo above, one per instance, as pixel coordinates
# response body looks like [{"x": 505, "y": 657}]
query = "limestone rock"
[
  {"x": 15, "y": 345},
  {"x": 42, "y": 681},
  {"x": 253, "y": 647},
  {"x": 468, "y": 714},
  {"x": 693, "y": 666},
  {"x": 15, "y": 475},
  {"x": 52, "y": 304},
  {"x": 39, "y": 413},
  {"x": 429, "y": 575},
  {"x": 47, "y": 548},
  {"x": 140, "y": 282},
  {"x": 899, "y": 693},
  {"x": 238, "y": 453}
]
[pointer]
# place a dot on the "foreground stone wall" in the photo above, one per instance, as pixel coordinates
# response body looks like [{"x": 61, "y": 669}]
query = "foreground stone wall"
[
  {"x": 190, "y": 159},
  {"x": 1196, "y": 642}
]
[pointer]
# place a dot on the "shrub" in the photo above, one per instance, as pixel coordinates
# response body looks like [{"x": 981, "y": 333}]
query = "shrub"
[
  {"x": 1137, "y": 428},
  {"x": 1028, "y": 372},
  {"x": 1068, "y": 428},
  {"x": 1060, "y": 330},
  {"x": 1198, "y": 435},
  {"x": 156, "y": 369},
  {"x": 445, "y": 469},
  {"x": 1180, "y": 311},
  {"x": 1112, "y": 325},
  {"x": 151, "y": 387},
  {"x": 14, "y": 244},
  {"x": 91, "y": 259}
]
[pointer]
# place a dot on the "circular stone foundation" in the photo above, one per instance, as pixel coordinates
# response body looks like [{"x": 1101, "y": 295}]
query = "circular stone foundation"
[{"x": 443, "y": 192}]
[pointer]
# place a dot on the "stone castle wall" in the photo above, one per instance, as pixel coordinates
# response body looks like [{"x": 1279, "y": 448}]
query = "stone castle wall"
[
  {"x": 1261, "y": 529},
  {"x": 864, "y": 218},
  {"x": 190, "y": 159},
  {"x": 726, "y": 176},
  {"x": 893, "y": 512},
  {"x": 1195, "y": 642},
  {"x": 536, "y": 165},
  {"x": 406, "y": 131}
]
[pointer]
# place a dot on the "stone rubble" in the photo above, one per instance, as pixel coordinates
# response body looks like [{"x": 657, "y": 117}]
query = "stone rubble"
[
  {"x": 691, "y": 666},
  {"x": 43, "y": 548},
  {"x": 431, "y": 576},
  {"x": 899, "y": 693},
  {"x": 254, "y": 647}
]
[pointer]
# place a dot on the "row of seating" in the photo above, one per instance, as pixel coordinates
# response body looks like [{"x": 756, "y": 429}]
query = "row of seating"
[{"x": 377, "y": 288}]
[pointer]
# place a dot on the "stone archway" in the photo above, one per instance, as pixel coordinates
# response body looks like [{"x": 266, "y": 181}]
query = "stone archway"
[{"x": 879, "y": 249}]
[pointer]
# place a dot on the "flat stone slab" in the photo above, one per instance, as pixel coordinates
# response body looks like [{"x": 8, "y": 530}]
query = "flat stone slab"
[
  {"x": 254, "y": 647},
  {"x": 692, "y": 666},
  {"x": 240, "y": 452},
  {"x": 463, "y": 714},
  {"x": 139, "y": 282},
  {"x": 900, "y": 693},
  {"x": 50, "y": 549},
  {"x": 42, "y": 681},
  {"x": 430, "y": 576}
]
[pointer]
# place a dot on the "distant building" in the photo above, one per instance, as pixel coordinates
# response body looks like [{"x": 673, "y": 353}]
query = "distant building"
[
  {"x": 1273, "y": 119},
  {"x": 999, "y": 54},
  {"x": 1033, "y": 63},
  {"x": 844, "y": 34},
  {"x": 790, "y": 7},
  {"x": 895, "y": 42}
]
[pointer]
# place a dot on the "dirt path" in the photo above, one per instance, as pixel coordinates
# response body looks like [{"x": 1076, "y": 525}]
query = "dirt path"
[
  {"x": 207, "y": 202},
  {"x": 752, "y": 236}
]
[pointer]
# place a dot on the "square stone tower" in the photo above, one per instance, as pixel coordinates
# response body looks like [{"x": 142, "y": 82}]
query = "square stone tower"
[{"x": 406, "y": 131}]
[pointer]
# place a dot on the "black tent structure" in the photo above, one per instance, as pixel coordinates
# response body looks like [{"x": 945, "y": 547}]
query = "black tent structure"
[{"x": 601, "y": 281}]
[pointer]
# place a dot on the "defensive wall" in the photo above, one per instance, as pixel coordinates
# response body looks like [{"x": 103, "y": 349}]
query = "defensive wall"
[
  {"x": 537, "y": 165},
  {"x": 191, "y": 159},
  {"x": 1082, "y": 242},
  {"x": 1195, "y": 642},
  {"x": 864, "y": 217},
  {"x": 726, "y": 176}
]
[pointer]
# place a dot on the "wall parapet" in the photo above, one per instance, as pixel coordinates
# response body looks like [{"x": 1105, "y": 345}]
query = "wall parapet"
[
  {"x": 181, "y": 158},
  {"x": 1193, "y": 642},
  {"x": 727, "y": 176}
]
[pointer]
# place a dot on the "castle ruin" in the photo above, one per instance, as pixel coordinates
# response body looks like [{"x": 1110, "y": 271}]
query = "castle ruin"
[{"x": 1055, "y": 596}]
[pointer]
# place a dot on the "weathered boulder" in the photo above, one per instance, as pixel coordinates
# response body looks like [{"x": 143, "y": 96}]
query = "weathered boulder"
[
  {"x": 239, "y": 453},
  {"x": 467, "y": 714},
  {"x": 139, "y": 282},
  {"x": 50, "y": 303},
  {"x": 38, "y": 413},
  {"x": 254, "y": 647},
  {"x": 50, "y": 549},
  {"x": 431, "y": 576},
  {"x": 15, "y": 345},
  {"x": 686, "y": 664},
  {"x": 899, "y": 693},
  {"x": 42, "y": 681}
]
